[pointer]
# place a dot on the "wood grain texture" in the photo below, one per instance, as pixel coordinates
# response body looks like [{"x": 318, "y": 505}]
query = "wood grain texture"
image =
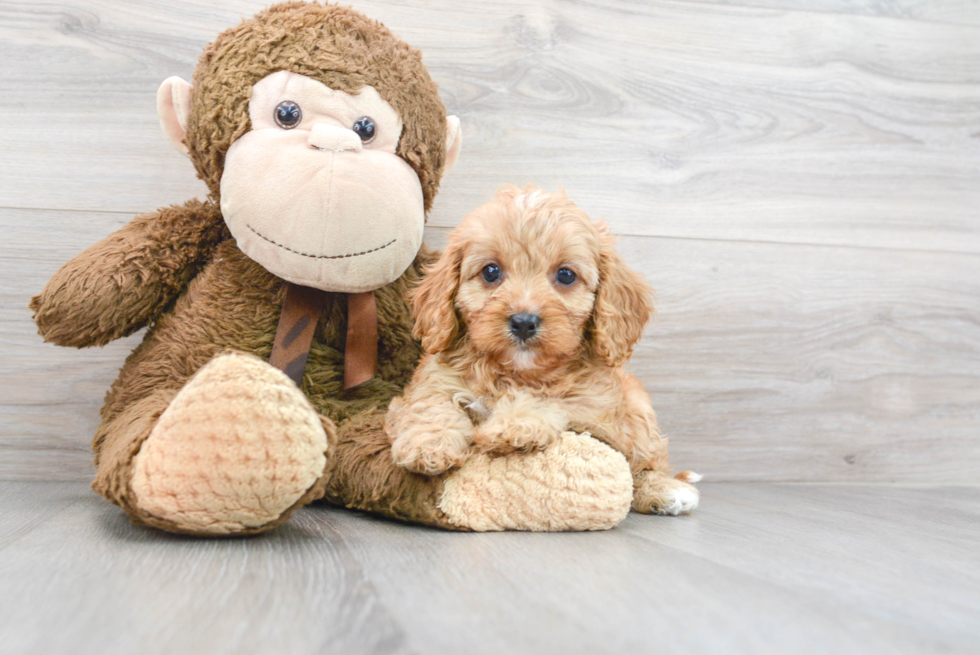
[
  {"x": 957, "y": 12},
  {"x": 672, "y": 118},
  {"x": 757, "y": 569},
  {"x": 799, "y": 181},
  {"x": 137, "y": 590}
]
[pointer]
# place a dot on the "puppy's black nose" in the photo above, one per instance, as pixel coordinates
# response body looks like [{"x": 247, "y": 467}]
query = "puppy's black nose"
[{"x": 523, "y": 325}]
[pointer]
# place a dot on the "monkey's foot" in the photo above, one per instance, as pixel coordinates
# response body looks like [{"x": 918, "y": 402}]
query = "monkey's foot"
[
  {"x": 576, "y": 483},
  {"x": 235, "y": 452}
]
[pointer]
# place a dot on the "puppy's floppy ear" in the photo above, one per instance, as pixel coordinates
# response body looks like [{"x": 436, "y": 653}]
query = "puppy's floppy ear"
[
  {"x": 623, "y": 305},
  {"x": 433, "y": 301}
]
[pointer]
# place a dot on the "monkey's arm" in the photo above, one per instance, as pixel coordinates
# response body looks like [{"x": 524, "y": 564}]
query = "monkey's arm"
[{"x": 126, "y": 280}]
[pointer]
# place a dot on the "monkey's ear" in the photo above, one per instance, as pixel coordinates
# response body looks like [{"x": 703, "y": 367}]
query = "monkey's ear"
[
  {"x": 174, "y": 108},
  {"x": 454, "y": 141}
]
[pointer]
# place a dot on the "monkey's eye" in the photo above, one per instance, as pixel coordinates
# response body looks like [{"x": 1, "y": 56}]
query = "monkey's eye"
[
  {"x": 565, "y": 277},
  {"x": 288, "y": 114},
  {"x": 365, "y": 128},
  {"x": 491, "y": 273}
]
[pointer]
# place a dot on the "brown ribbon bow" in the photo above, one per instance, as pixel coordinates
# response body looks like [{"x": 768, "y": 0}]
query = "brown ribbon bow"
[{"x": 300, "y": 312}]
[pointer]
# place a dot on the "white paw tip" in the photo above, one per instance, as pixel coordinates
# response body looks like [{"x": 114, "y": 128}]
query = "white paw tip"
[{"x": 682, "y": 500}]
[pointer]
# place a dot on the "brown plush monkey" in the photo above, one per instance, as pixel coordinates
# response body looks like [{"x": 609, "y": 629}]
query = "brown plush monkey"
[{"x": 322, "y": 140}]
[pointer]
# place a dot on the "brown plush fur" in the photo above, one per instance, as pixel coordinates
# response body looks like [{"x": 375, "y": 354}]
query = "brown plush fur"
[
  {"x": 479, "y": 387},
  {"x": 144, "y": 267},
  {"x": 365, "y": 476},
  {"x": 235, "y": 303},
  {"x": 178, "y": 271},
  {"x": 333, "y": 45}
]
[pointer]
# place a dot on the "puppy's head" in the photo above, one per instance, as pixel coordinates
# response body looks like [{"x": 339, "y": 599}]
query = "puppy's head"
[{"x": 530, "y": 282}]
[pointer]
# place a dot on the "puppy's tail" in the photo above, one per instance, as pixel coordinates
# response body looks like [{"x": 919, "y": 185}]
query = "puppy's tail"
[{"x": 689, "y": 476}]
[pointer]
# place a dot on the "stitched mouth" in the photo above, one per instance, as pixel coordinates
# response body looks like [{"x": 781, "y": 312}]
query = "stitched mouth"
[
  {"x": 341, "y": 149},
  {"x": 312, "y": 256}
]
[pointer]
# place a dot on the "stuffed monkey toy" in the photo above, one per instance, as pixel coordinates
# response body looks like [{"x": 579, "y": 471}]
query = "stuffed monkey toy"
[{"x": 278, "y": 327}]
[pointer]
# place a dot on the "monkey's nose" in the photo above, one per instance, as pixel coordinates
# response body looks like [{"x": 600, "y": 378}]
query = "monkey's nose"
[
  {"x": 334, "y": 139},
  {"x": 524, "y": 325}
]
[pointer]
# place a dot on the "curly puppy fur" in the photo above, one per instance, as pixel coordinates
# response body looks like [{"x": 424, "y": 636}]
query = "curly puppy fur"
[{"x": 482, "y": 387}]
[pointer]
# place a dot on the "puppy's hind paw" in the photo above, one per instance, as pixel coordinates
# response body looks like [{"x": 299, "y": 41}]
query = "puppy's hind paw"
[
  {"x": 682, "y": 501},
  {"x": 654, "y": 493}
]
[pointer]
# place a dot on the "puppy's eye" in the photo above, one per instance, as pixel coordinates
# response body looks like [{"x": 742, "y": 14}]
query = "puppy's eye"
[
  {"x": 288, "y": 114},
  {"x": 491, "y": 273},
  {"x": 566, "y": 277},
  {"x": 365, "y": 128}
]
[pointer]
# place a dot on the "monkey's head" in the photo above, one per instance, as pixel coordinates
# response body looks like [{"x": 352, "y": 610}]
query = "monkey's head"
[{"x": 323, "y": 138}]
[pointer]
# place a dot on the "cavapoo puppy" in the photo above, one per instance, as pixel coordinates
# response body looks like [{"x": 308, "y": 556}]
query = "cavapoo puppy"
[{"x": 526, "y": 321}]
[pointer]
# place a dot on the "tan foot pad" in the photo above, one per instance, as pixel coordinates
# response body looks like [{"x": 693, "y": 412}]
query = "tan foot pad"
[
  {"x": 238, "y": 446},
  {"x": 577, "y": 483}
]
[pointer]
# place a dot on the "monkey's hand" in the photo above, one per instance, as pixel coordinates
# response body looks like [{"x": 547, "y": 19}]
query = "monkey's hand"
[{"x": 126, "y": 280}]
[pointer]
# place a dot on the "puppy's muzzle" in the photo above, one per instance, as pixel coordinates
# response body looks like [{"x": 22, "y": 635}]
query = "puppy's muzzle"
[{"x": 524, "y": 326}]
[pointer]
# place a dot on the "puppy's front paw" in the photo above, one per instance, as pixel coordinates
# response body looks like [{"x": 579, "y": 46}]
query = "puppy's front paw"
[
  {"x": 524, "y": 434},
  {"x": 654, "y": 493},
  {"x": 430, "y": 450}
]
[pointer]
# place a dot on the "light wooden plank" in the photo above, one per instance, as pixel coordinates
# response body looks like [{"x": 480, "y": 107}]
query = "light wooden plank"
[
  {"x": 26, "y": 506},
  {"x": 671, "y": 118},
  {"x": 601, "y": 593},
  {"x": 814, "y": 363},
  {"x": 757, "y": 569},
  {"x": 958, "y": 12},
  {"x": 85, "y": 580},
  {"x": 766, "y": 362},
  {"x": 828, "y": 542}
]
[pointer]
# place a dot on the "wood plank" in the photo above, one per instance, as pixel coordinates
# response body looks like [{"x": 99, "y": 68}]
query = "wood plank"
[
  {"x": 814, "y": 363},
  {"x": 808, "y": 127},
  {"x": 87, "y": 581},
  {"x": 827, "y": 542},
  {"x": 597, "y": 590},
  {"x": 766, "y": 362},
  {"x": 757, "y": 569},
  {"x": 26, "y": 506},
  {"x": 958, "y": 12}
]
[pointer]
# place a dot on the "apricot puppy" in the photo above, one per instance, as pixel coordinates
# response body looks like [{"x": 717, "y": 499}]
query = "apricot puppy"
[{"x": 526, "y": 321}]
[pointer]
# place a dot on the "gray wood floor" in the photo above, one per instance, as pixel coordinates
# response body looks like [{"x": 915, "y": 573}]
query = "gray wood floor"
[{"x": 761, "y": 568}]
